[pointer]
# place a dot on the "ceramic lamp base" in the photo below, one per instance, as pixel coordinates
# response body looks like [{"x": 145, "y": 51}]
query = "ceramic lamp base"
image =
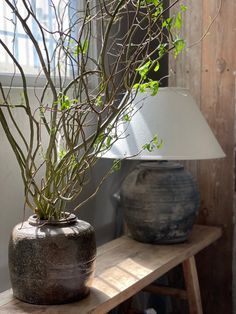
[{"x": 160, "y": 201}]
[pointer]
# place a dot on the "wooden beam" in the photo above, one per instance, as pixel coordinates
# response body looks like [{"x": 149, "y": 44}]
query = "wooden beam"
[
  {"x": 192, "y": 286},
  {"x": 162, "y": 290},
  {"x": 186, "y": 70},
  {"x": 216, "y": 177},
  {"x": 208, "y": 70}
]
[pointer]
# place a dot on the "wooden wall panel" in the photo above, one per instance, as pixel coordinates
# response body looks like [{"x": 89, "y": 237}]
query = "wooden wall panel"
[
  {"x": 217, "y": 177},
  {"x": 208, "y": 70},
  {"x": 185, "y": 71}
]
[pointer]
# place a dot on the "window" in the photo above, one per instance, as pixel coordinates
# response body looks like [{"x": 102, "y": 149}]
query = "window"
[{"x": 51, "y": 13}]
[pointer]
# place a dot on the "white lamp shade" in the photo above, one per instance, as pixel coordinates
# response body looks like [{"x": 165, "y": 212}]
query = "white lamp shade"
[{"x": 173, "y": 115}]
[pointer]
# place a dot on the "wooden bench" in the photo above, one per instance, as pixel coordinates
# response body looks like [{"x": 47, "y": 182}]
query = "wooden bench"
[{"x": 125, "y": 267}]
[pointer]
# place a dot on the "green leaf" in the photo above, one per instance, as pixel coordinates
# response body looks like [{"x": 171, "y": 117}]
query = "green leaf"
[
  {"x": 153, "y": 144},
  {"x": 73, "y": 162},
  {"x": 136, "y": 86},
  {"x": 99, "y": 102},
  {"x": 108, "y": 141},
  {"x": 65, "y": 102},
  {"x": 147, "y": 147},
  {"x": 85, "y": 46},
  {"x": 162, "y": 50},
  {"x": 178, "y": 21},
  {"x": 126, "y": 118},
  {"x": 158, "y": 144},
  {"x": 154, "y": 86},
  {"x": 158, "y": 11},
  {"x": 183, "y": 7},
  {"x": 53, "y": 131},
  {"x": 144, "y": 69},
  {"x": 116, "y": 166},
  {"x": 157, "y": 67},
  {"x": 168, "y": 23},
  {"x": 99, "y": 139},
  {"x": 82, "y": 48},
  {"x": 179, "y": 45},
  {"x": 154, "y": 2},
  {"x": 143, "y": 87},
  {"x": 62, "y": 153}
]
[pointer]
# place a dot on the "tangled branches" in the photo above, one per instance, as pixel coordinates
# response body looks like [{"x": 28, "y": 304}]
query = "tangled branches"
[{"x": 92, "y": 60}]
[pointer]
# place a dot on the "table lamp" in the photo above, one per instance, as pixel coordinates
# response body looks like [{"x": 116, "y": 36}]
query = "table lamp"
[{"x": 160, "y": 199}]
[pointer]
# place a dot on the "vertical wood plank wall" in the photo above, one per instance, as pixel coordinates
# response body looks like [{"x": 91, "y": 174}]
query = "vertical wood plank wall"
[{"x": 208, "y": 70}]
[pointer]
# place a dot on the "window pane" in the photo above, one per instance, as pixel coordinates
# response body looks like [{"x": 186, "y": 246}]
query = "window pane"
[{"x": 50, "y": 13}]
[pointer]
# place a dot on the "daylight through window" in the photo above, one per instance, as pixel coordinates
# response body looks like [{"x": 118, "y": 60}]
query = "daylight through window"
[{"x": 51, "y": 14}]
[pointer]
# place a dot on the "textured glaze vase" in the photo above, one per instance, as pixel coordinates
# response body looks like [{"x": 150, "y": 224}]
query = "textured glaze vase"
[
  {"x": 52, "y": 263},
  {"x": 160, "y": 202}
]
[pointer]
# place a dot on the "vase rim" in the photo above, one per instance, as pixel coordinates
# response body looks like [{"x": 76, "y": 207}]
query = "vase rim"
[{"x": 68, "y": 218}]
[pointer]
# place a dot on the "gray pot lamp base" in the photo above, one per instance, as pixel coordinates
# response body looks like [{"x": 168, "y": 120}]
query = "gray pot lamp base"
[{"x": 159, "y": 197}]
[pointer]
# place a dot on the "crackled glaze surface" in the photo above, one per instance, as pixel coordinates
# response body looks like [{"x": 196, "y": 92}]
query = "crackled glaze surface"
[{"x": 52, "y": 264}]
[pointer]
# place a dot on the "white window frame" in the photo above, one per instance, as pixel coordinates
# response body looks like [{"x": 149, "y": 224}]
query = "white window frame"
[{"x": 6, "y": 78}]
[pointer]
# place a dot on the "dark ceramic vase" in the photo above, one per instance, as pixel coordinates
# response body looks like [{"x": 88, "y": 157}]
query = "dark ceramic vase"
[
  {"x": 52, "y": 263},
  {"x": 160, "y": 202}
]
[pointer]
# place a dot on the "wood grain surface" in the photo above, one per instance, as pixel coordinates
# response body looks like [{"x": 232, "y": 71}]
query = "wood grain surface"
[
  {"x": 208, "y": 70},
  {"x": 124, "y": 267}
]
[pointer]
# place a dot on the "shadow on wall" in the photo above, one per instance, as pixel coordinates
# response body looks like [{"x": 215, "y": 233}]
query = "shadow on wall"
[
  {"x": 103, "y": 211},
  {"x": 11, "y": 206}
]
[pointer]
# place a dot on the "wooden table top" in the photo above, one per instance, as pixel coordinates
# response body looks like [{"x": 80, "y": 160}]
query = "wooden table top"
[{"x": 123, "y": 267}]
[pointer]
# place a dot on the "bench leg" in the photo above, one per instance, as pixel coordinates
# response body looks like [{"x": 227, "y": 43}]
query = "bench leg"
[{"x": 192, "y": 286}]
